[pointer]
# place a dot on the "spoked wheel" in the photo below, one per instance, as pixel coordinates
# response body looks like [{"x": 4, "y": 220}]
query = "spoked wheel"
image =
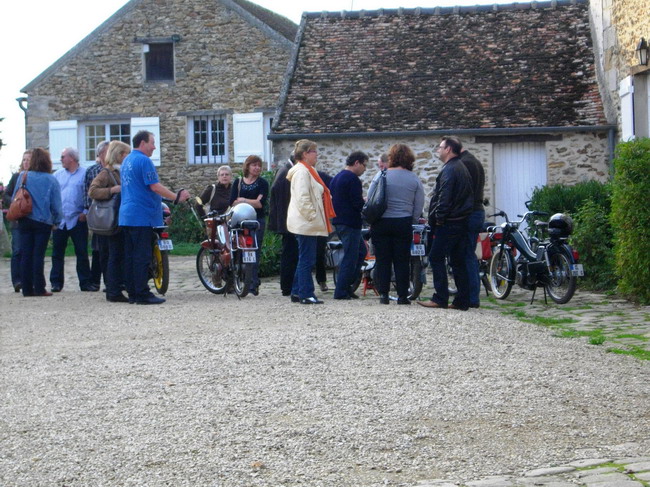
[
  {"x": 562, "y": 283},
  {"x": 160, "y": 269},
  {"x": 415, "y": 279},
  {"x": 355, "y": 284},
  {"x": 210, "y": 271},
  {"x": 502, "y": 273},
  {"x": 243, "y": 275}
]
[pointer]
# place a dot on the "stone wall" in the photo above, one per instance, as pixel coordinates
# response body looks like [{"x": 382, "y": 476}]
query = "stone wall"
[
  {"x": 222, "y": 63},
  {"x": 617, "y": 27},
  {"x": 577, "y": 157}
]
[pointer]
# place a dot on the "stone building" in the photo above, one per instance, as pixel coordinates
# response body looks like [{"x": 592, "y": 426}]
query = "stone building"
[
  {"x": 516, "y": 82},
  {"x": 620, "y": 28},
  {"x": 203, "y": 75}
]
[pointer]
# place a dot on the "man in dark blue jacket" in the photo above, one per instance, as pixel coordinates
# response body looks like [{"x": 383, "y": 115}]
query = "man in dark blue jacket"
[
  {"x": 449, "y": 210},
  {"x": 347, "y": 197}
]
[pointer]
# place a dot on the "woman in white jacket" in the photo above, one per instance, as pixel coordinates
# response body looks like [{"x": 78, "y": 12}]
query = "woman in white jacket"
[{"x": 308, "y": 216}]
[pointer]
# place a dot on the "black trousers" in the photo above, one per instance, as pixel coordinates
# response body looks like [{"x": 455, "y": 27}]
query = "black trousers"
[
  {"x": 288, "y": 262},
  {"x": 391, "y": 238}
]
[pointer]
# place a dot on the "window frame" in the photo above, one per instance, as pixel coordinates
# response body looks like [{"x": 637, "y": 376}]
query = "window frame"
[
  {"x": 85, "y": 149},
  {"x": 146, "y": 62},
  {"x": 210, "y": 157}
]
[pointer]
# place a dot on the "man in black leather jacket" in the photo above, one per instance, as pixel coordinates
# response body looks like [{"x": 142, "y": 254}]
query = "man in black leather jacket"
[{"x": 450, "y": 207}]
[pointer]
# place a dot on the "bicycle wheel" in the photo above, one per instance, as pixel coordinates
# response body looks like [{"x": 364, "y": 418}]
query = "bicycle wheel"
[
  {"x": 562, "y": 283},
  {"x": 415, "y": 279},
  {"x": 210, "y": 271},
  {"x": 160, "y": 267},
  {"x": 243, "y": 275},
  {"x": 502, "y": 273}
]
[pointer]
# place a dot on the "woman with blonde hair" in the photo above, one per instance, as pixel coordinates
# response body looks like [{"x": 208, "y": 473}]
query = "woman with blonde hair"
[
  {"x": 254, "y": 190},
  {"x": 104, "y": 186},
  {"x": 308, "y": 217}
]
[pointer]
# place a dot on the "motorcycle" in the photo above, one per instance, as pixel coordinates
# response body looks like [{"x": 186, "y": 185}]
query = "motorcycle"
[
  {"x": 161, "y": 245},
  {"x": 226, "y": 258},
  {"x": 552, "y": 264},
  {"x": 418, "y": 263}
]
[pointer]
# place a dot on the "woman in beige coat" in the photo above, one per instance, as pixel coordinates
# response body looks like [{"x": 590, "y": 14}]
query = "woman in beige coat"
[
  {"x": 103, "y": 187},
  {"x": 308, "y": 216}
]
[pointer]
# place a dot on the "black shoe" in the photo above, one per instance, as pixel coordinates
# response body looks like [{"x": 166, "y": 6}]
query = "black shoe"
[
  {"x": 151, "y": 300},
  {"x": 383, "y": 299},
  {"x": 312, "y": 300},
  {"x": 120, "y": 298},
  {"x": 56, "y": 289},
  {"x": 295, "y": 298},
  {"x": 255, "y": 291},
  {"x": 286, "y": 293},
  {"x": 90, "y": 288},
  {"x": 17, "y": 287},
  {"x": 354, "y": 296},
  {"x": 343, "y": 298},
  {"x": 474, "y": 305},
  {"x": 403, "y": 301}
]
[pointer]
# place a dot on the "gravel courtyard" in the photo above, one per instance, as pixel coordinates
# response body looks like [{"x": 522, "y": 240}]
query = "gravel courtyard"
[{"x": 209, "y": 390}]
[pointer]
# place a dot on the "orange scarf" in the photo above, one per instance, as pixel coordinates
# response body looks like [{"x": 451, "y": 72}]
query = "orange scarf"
[{"x": 327, "y": 197}]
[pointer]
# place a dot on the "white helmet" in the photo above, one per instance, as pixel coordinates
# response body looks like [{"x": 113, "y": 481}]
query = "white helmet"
[{"x": 241, "y": 212}]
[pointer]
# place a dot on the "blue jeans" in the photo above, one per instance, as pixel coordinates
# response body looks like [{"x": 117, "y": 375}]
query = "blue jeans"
[
  {"x": 303, "y": 284},
  {"x": 79, "y": 236},
  {"x": 137, "y": 257},
  {"x": 15, "y": 255},
  {"x": 354, "y": 251},
  {"x": 288, "y": 262},
  {"x": 450, "y": 239},
  {"x": 474, "y": 226},
  {"x": 33, "y": 242},
  {"x": 255, "y": 281}
]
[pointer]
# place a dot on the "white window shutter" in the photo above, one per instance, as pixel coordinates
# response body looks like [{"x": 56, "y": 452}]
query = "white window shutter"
[
  {"x": 248, "y": 131},
  {"x": 150, "y": 124},
  {"x": 63, "y": 133},
  {"x": 626, "y": 92}
]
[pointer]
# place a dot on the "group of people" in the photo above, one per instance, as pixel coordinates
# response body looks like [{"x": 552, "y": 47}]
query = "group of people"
[
  {"x": 304, "y": 208},
  {"x": 60, "y": 203}
]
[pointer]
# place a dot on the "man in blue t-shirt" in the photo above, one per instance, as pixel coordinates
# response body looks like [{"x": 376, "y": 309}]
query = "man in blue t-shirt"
[
  {"x": 140, "y": 210},
  {"x": 347, "y": 197}
]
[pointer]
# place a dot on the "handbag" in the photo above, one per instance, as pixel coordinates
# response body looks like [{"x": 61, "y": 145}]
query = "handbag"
[
  {"x": 103, "y": 215},
  {"x": 21, "y": 205},
  {"x": 376, "y": 204}
]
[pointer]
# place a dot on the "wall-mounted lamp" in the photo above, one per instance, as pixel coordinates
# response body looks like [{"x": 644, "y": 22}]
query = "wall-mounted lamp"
[
  {"x": 642, "y": 52},
  {"x": 176, "y": 38}
]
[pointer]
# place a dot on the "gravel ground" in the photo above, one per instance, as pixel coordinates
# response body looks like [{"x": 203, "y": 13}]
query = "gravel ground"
[{"x": 212, "y": 391}]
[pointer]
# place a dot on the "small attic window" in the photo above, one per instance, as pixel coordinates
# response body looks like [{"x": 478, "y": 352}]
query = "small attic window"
[{"x": 159, "y": 61}]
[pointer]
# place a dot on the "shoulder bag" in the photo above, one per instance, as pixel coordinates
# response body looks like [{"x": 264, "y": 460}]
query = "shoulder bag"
[
  {"x": 21, "y": 205},
  {"x": 103, "y": 215},
  {"x": 376, "y": 203}
]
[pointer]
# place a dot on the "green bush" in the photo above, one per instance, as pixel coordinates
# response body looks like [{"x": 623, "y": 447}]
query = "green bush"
[
  {"x": 631, "y": 218},
  {"x": 559, "y": 198},
  {"x": 185, "y": 227},
  {"x": 270, "y": 258},
  {"x": 592, "y": 238}
]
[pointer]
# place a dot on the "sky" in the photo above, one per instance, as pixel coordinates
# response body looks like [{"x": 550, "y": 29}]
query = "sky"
[{"x": 35, "y": 33}]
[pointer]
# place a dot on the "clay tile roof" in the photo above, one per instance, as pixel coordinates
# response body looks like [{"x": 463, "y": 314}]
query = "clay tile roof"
[{"x": 521, "y": 65}]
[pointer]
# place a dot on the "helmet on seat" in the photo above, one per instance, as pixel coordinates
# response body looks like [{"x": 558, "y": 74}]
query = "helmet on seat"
[
  {"x": 241, "y": 212},
  {"x": 560, "y": 225}
]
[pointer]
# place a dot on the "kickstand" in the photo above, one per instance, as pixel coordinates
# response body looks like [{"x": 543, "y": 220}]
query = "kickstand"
[
  {"x": 534, "y": 291},
  {"x": 545, "y": 300}
]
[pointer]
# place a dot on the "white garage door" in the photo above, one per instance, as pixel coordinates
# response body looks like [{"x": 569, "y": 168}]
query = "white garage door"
[{"x": 518, "y": 169}]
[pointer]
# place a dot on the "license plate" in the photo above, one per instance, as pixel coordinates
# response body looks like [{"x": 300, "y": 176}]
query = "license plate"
[
  {"x": 248, "y": 257},
  {"x": 165, "y": 245},
  {"x": 417, "y": 249},
  {"x": 577, "y": 270}
]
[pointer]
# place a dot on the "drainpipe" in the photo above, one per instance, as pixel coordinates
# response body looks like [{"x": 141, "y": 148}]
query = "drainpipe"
[
  {"x": 611, "y": 143},
  {"x": 22, "y": 103}
]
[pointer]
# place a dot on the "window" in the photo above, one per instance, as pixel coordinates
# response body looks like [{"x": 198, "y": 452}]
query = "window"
[
  {"x": 96, "y": 132},
  {"x": 159, "y": 61},
  {"x": 207, "y": 142}
]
